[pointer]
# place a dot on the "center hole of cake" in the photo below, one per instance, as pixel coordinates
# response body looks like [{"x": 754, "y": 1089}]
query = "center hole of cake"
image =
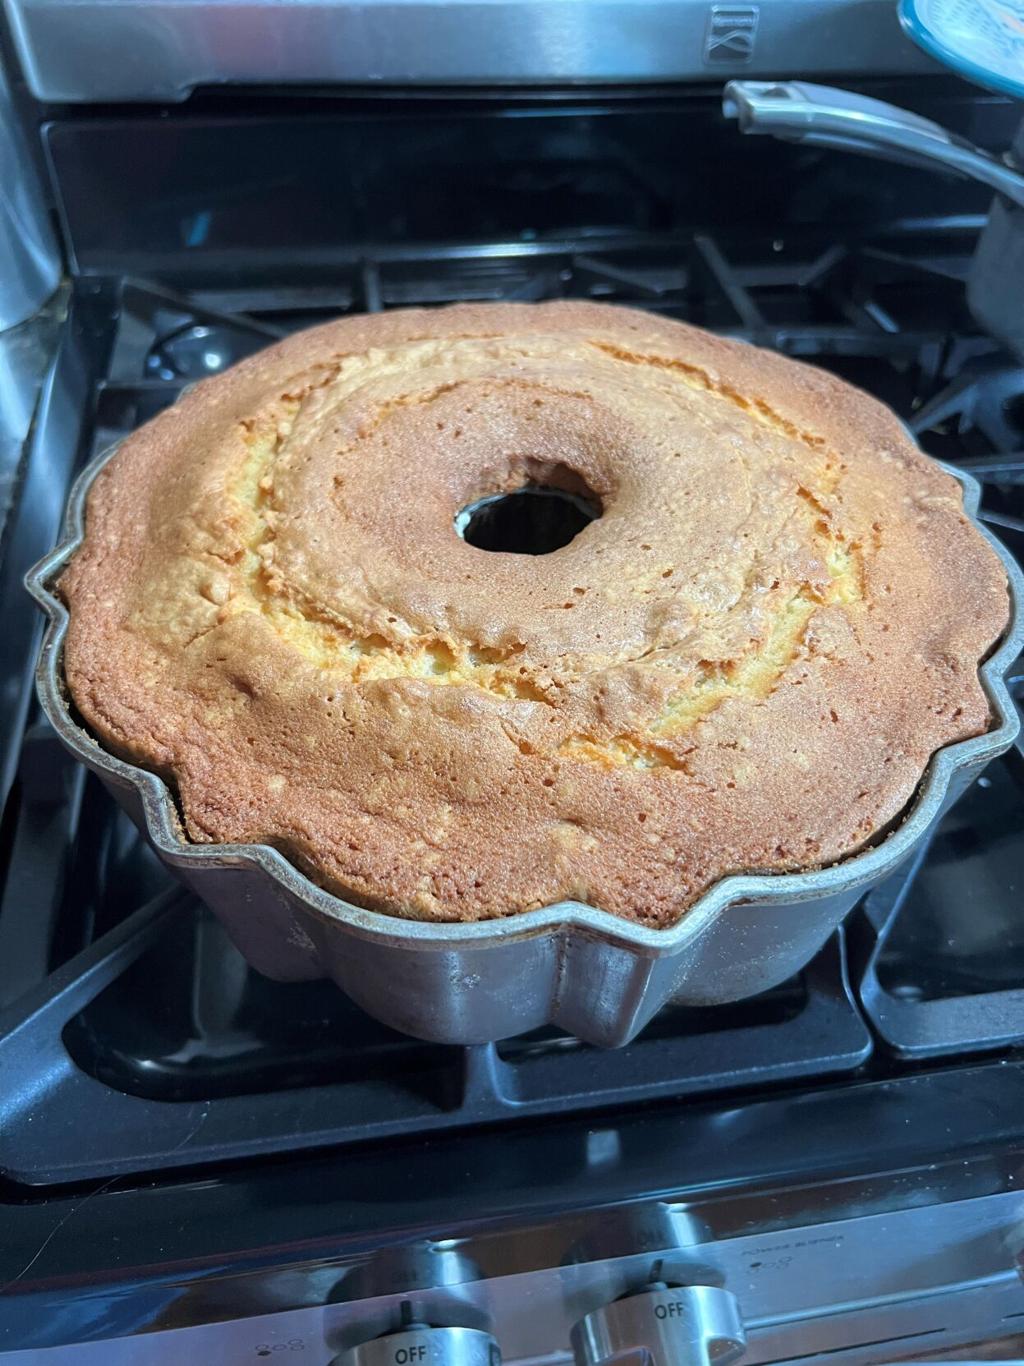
[{"x": 533, "y": 520}]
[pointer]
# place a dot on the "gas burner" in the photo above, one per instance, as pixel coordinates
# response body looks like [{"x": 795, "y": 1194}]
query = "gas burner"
[{"x": 198, "y": 350}]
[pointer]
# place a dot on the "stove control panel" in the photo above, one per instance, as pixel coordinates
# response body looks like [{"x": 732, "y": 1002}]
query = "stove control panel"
[
  {"x": 418, "y": 1344},
  {"x": 852, "y": 1289},
  {"x": 691, "y": 1325}
]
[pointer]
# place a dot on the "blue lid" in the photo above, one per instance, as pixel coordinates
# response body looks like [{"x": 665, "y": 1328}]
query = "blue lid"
[{"x": 981, "y": 39}]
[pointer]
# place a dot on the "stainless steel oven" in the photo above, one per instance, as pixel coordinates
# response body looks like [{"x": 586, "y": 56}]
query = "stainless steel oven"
[{"x": 199, "y": 1164}]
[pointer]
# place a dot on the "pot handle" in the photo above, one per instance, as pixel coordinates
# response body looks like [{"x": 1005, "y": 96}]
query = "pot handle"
[{"x": 823, "y": 116}]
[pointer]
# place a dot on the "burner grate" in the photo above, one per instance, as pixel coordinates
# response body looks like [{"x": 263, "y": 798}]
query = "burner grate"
[
  {"x": 942, "y": 971},
  {"x": 192, "y": 1081}
]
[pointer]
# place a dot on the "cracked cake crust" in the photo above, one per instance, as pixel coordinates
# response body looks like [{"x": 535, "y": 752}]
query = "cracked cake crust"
[{"x": 744, "y": 664}]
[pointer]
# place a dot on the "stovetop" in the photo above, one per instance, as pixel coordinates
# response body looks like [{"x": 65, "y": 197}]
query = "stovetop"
[
  {"x": 185, "y": 1143},
  {"x": 126, "y": 997}
]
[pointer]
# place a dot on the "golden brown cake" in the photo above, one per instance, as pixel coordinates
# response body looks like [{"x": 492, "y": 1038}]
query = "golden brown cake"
[{"x": 743, "y": 664}]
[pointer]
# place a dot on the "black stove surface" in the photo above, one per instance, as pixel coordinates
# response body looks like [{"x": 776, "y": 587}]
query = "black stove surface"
[{"x": 125, "y": 996}]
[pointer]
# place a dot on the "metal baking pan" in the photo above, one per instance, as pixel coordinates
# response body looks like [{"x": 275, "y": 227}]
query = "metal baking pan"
[{"x": 591, "y": 973}]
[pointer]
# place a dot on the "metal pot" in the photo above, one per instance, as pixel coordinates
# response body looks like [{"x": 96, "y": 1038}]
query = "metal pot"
[
  {"x": 823, "y": 116},
  {"x": 593, "y": 974}
]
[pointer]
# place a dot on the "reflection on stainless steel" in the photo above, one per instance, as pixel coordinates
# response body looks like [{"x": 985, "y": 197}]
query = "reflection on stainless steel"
[
  {"x": 431, "y": 1277},
  {"x": 150, "y": 50},
  {"x": 25, "y": 353},
  {"x": 29, "y": 260},
  {"x": 413, "y": 1266},
  {"x": 679, "y": 1247},
  {"x": 822, "y": 116},
  {"x": 669, "y": 1325}
]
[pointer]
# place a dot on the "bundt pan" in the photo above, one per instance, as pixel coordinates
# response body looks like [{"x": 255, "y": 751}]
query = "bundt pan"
[{"x": 598, "y": 976}]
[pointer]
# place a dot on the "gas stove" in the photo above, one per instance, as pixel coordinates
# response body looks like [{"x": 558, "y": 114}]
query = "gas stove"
[{"x": 198, "y": 1161}]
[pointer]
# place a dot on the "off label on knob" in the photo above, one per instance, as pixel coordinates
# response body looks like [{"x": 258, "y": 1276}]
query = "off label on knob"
[
  {"x": 419, "y": 1344},
  {"x": 675, "y": 1309},
  {"x": 667, "y": 1325}
]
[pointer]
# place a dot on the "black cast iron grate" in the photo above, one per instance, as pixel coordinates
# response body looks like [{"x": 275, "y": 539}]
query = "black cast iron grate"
[{"x": 127, "y": 1005}]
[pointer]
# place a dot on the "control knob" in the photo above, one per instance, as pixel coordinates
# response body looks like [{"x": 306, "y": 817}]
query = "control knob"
[
  {"x": 420, "y": 1344},
  {"x": 692, "y": 1325}
]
